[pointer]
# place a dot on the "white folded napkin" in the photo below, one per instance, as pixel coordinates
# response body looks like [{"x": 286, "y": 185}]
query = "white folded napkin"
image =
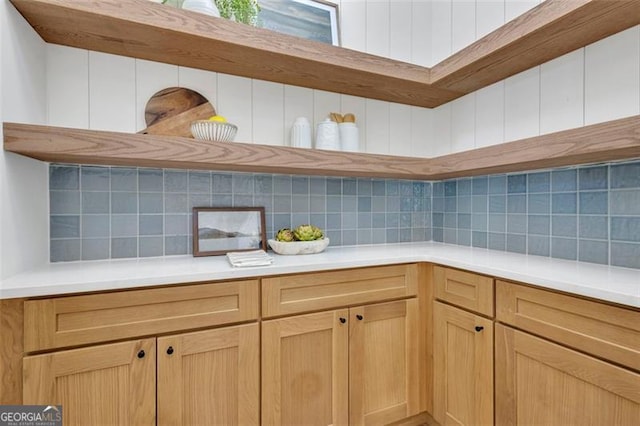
[{"x": 249, "y": 258}]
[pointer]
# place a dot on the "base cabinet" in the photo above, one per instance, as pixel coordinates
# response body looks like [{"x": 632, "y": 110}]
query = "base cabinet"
[
  {"x": 463, "y": 367},
  {"x": 112, "y": 384},
  {"x": 355, "y": 366},
  {"x": 542, "y": 383},
  {"x": 207, "y": 377}
]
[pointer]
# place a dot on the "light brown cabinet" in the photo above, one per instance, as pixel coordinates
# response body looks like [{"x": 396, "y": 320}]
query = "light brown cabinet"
[
  {"x": 463, "y": 367},
  {"x": 207, "y": 377},
  {"x": 542, "y": 383},
  {"x": 111, "y": 384},
  {"x": 352, "y": 366}
]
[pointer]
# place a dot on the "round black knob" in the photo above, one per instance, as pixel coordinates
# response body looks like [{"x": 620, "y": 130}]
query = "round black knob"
[
  {"x": 141, "y": 354},
  {"x": 169, "y": 350},
  {"x": 479, "y": 328},
  {"x": 343, "y": 320},
  {"x": 360, "y": 317}
]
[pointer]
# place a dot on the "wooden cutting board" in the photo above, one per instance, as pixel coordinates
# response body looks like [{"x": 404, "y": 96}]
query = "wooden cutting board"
[{"x": 171, "y": 111}]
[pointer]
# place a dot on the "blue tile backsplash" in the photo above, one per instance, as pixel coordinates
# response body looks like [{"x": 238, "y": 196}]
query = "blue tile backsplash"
[{"x": 586, "y": 213}]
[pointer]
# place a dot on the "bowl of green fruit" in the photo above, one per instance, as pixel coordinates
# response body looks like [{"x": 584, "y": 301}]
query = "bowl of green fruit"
[{"x": 305, "y": 239}]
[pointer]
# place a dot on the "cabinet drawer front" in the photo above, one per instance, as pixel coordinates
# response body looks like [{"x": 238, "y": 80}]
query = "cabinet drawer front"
[
  {"x": 326, "y": 290},
  {"x": 464, "y": 289},
  {"x": 603, "y": 330},
  {"x": 76, "y": 320}
]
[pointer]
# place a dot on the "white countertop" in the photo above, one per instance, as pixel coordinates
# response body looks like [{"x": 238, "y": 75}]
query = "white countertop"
[{"x": 613, "y": 284}]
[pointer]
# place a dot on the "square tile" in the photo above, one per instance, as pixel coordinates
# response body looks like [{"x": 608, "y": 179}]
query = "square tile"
[
  {"x": 564, "y": 203},
  {"x": 242, "y": 183},
  {"x": 151, "y": 246},
  {"x": 174, "y": 245},
  {"x": 590, "y": 178},
  {"x": 625, "y": 175},
  {"x": 349, "y": 186},
  {"x": 364, "y": 236},
  {"x": 94, "y": 178},
  {"x": 378, "y": 204},
  {"x": 124, "y": 202},
  {"x": 151, "y": 202},
  {"x": 479, "y": 239},
  {"x": 64, "y": 177},
  {"x": 176, "y": 203},
  {"x": 464, "y": 221},
  {"x": 594, "y": 203},
  {"x": 263, "y": 184},
  {"x": 334, "y": 221},
  {"x": 96, "y": 202},
  {"x": 378, "y": 188},
  {"x": 539, "y": 225},
  {"x": 64, "y": 226},
  {"x": 124, "y": 179},
  {"x": 517, "y": 224},
  {"x": 317, "y": 186},
  {"x": 150, "y": 180},
  {"x": 479, "y": 221},
  {"x": 539, "y": 203},
  {"x": 498, "y": 184},
  {"x": 334, "y": 203},
  {"x": 124, "y": 247},
  {"x": 464, "y": 204},
  {"x": 438, "y": 189},
  {"x": 625, "y": 254},
  {"x": 539, "y": 245},
  {"x": 593, "y": 251},
  {"x": 464, "y": 186},
  {"x": 300, "y": 185},
  {"x": 199, "y": 182},
  {"x": 349, "y": 204},
  {"x": 516, "y": 243},
  {"x": 405, "y": 188},
  {"x": 516, "y": 184},
  {"x": 625, "y": 228},
  {"x": 497, "y": 222},
  {"x": 176, "y": 224},
  {"x": 479, "y": 204},
  {"x": 175, "y": 181},
  {"x": 464, "y": 237},
  {"x": 222, "y": 183},
  {"x": 124, "y": 225},
  {"x": 625, "y": 202},
  {"x": 496, "y": 241},
  {"x": 198, "y": 200},
  {"x": 450, "y": 188},
  {"x": 516, "y": 203},
  {"x": 564, "y": 180},
  {"x": 300, "y": 204},
  {"x": 564, "y": 248},
  {"x": 64, "y": 250},
  {"x": 497, "y": 204},
  {"x": 242, "y": 200},
  {"x": 539, "y": 182},
  {"x": 365, "y": 187},
  {"x": 564, "y": 226},
  {"x": 364, "y": 204},
  {"x": 594, "y": 227},
  {"x": 480, "y": 185},
  {"x": 334, "y": 186},
  {"x": 95, "y": 249},
  {"x": 64, "y": 202},
  {"x": 95, "y": 226}
]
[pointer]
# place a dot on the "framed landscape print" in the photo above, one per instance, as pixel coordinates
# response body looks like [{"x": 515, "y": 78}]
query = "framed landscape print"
[
  {"x": 311, "y": 19},
  {"x": 220, "y": 230}
]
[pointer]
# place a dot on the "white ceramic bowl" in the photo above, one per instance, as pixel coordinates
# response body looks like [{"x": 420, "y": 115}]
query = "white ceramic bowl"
[
  {"x": 213, "y": 131},
  {"x": 299, "y": 247}
]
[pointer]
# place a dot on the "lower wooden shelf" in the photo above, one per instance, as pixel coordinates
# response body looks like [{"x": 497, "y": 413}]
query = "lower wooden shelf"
[{"x": 609, "y": 141}]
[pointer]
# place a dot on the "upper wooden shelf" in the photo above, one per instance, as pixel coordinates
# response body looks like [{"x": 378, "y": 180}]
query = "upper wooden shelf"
[
  {"x": 143, "y": 29},
  {"x": 614, "y": 140}
]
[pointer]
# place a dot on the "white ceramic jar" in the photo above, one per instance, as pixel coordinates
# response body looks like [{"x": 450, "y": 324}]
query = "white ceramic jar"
[
  {"x": 327, "y": 136},
  {"x": 349, "y": 137},
  {"x": 301, "y": 133}
]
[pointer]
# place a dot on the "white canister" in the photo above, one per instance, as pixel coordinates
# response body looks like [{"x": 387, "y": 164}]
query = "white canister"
[
  {"x": 327, "y": 136},
  {"x": 301, "y": 133},
  {"x": 349, "y": 137},
  {"x": 207, "y": 7}
]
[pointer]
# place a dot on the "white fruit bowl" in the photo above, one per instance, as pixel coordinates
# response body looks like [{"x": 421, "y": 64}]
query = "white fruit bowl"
[
  {"x": 299, "y": 247},
  {"x": 213, "y": 131}
]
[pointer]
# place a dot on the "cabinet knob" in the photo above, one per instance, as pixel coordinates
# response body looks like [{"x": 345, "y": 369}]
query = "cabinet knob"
[
  {"x": 343, "y": 320},
  {"x": 169, "y": 350},
  {"x": 479, "y": 328},
  {"x": 141, "y": 354},
  {"x": 360, "y": 317}
]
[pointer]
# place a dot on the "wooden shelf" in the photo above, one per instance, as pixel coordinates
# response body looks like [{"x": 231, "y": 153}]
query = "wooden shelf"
[
  {"x": 614, "y": 140},
  {"x": 143, "y": 29}
]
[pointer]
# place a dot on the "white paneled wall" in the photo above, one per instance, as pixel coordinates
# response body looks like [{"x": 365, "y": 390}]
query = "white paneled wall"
[{"x": 598, "y": 83}]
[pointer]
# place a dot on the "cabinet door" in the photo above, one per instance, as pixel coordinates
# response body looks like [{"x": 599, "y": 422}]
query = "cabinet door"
[
  {"x": 102, "y": 385},
  {"x": 210, "y": 377},
  {"x": 542, "y": 383},
  {"x": 384, "y": 362},
  {"x": 463, "y": 367},
  {"x": 305, "y": 370}
]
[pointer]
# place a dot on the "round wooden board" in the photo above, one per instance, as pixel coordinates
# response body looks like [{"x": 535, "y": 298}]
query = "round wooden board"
[{"x": 170, "y": 111}]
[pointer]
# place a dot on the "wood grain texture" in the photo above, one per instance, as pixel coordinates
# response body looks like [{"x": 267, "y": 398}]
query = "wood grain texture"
[
  {"x": 76, "y": 320},
  {"x": 170, "y": 112},
  {"x": 100, "y": 385},
  {"x": 613, "y": 140},
  {"x": 11, "y": 350},
  {"x": 210, "y": 377},
  {"x": 465, "y": 289},
  {"x": 142, "y": 29},
  {"x": 327, "y": 290},
  {"x": 603, "y": 330},
  {"x": 548, "y": 31},
  {"x": 542, "y": 383},
  {"x": 425, "y": 334}
]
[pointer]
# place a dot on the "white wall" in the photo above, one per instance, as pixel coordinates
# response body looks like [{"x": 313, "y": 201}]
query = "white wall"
[
  {"x": 24, "y": 206},
  {"x": 598, "y": 83}
]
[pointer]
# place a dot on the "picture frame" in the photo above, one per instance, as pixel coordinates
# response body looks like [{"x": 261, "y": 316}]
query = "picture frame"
[
  {"x": 220, "y": 230},
  {"x": 316, "y": 20}
]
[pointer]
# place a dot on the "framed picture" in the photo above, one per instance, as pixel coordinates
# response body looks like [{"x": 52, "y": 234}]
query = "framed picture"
[
  {"x": 220, "y": 230},
  {"x": 311, "y": 19}
]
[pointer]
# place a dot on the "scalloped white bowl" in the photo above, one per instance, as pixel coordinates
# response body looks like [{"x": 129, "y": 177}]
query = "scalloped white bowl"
[
  {"x": 299, "y": 247},
  {"x": 213, "y": 131}
]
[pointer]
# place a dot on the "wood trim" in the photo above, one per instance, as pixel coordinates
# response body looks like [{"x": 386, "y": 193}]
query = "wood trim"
[
  {"x": 612, "y": 140},
  {"x": 425, "y": 337},
  {"x": 11, "y": 350},
  {"x": 465, "y": 289},
  {"x": 141, "y": 29}
]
